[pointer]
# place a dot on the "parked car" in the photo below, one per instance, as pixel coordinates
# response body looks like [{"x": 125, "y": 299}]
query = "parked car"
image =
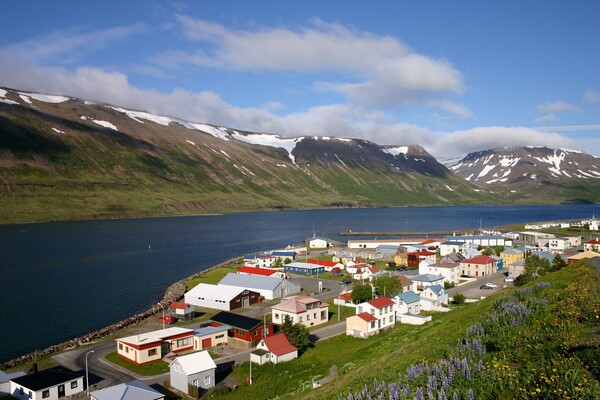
[
  {"x": 485, "y": 287},
  {"x": 166, "y": 319},
  {"x": 509, "y": 280},
  {"x": 345, "y": 281},
  {"x": 491, "y": 285}
]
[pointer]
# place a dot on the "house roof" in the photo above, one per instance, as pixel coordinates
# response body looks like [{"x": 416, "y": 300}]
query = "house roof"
[
  {"x": 374, "y": 270},
  {"x": 217, "y": 292},
  {"x": 585, "y": 254},
  {"x": 284, "y": 253},
  {"x": 257, "y": 271},
  {"x": 179, "y": 305},
  {"x": 480, "y": 260},
  {"x": 423, "y": 253},
  {"x": 294, "y": 304},
  {"x": 134, "y": 390},
  {"x": 437, "y": 289},
  {"x": 453, "y": 243},
  {"x": 210, "y": 330},
  {"x": 304, "y": 265},
  {"x": 47, "y": 378},
  {"x": 196, "y": 362},
  {"x": 336, "y": 269},
  {"x": 345, "y": 296},
  {"x": 236, "y": 320},
  {"x": 381, "y": 302},
  {"x": 323, "y": 263},
  {"x": 155, "y": 336},
  {"x": 366, "y": 317},
  {"x": 430, "y": 241},
  {"x": 252, "y": 282},
  {"x": 255, "y": 256},
  {"x": 404, "y": 281},
  {"x": 279, "y": 345},
  {"x": 444, "y": 264},
  {"x": 427, "y": 278},
  {"x": 511, "y": 250},
  {"x": 593, "y": 241},
  {"x": 409, "y": 297}
]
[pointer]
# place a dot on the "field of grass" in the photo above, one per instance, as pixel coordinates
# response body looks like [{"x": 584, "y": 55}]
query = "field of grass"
[
  {"x": 214, "y": 276},
  {"x": 155, "y": 368},
  {"x": 553, "y": 354}
]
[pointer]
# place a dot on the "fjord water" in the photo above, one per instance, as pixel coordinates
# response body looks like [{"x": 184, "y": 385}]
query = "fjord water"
[{"x": 62, "y": 280}]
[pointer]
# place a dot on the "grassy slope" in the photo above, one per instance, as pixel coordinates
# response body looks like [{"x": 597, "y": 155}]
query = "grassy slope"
[{"x": 385, "y": 356}]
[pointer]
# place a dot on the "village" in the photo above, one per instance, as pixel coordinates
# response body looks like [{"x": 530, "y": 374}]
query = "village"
[{"x": 251, "y": 313}]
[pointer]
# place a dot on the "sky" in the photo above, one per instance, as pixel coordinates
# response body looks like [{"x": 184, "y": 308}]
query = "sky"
[{"x": 451, "y": 76}]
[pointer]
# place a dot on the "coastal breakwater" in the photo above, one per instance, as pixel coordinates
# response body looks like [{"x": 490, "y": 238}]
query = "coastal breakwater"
[{"x": 173, "y": 293}]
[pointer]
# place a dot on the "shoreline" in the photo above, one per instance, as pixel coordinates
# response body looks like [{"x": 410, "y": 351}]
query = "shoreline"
[{"x": 173, "y": 292}]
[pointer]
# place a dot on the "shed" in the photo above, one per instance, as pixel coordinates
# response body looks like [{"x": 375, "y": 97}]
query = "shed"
[
  {"x": 269, "y": 287},
  {"x": 221, "y": 297},
  {"x": 182, "y": 310}
]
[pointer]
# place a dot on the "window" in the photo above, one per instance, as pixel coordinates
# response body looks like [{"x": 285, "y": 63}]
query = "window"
[
  {"x": 30, "y": 395},
  {"x": 220, "y": 336},
  {"x": 120, "y": 346},
  {"x": 151, "y": 352},
  {"x": 45, "y": 394},
  {"x": 178, "y": 368},
  {"x": 372, "y": 324},
  {"x": 196, "y": 382},
  {"x": 184, "y": 342},
  {"x": 73, "y": 384},
  {"x": 360, "y": 309},
  {"x": 391, "y": 318},
  {"x": 380, "y": 311},
  {"x": 323, "y": 315},
  {"x": 308, "y": 317},
  {"x": 276, "y": 316},
  {"x": 207, "y": 380},
  {"x": 126, "y": 349}
]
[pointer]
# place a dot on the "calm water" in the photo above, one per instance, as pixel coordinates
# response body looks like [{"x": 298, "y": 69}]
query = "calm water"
[{"x": 62, "y": 280}]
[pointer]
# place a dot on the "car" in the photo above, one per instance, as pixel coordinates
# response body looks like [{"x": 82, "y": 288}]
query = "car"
[
  {"x": 166, "y": 320},
  {"x": 509, "y": 280},
  {"x": 485, "y": 287},
  {"x": 344, "y": 281},
  {"x": 403, "y": 268},
  {"x": 491, "y": 285}
]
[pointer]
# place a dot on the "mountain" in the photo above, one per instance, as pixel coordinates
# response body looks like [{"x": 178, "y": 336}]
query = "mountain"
[
  {"x": 66, "y": 158},
  {"x": 534, "y": 173}
]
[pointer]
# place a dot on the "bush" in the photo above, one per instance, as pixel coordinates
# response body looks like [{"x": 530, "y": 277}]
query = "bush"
[{"x": 459, "y": 298}]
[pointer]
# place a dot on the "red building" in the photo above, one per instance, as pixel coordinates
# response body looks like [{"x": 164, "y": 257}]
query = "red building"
[
  {"x": 414, "y": 259},
  {"x": 246, "y": 329}
]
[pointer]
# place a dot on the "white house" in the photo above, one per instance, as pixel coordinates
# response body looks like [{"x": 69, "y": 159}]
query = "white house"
[
  {"x": 449, "y": 270},
  {"x": 182, "y": 310},
  {"x": 433, "y": 298},
  {"x": 354, "y": 268},
  {"x": 452, "y": 246},
  {"x": 221, "y": 297},
  {"x": 269, "y": 287},
  {"x": 367, "y": 273},
  {"x": 407, "y": 303},
  {"x": 317, "y": 243},
  {"x": 133, "y": 390},
  {"x": 259, "y": 261},
  {"x": 591, "y": 245},
  {"x": 274, "y": 349},
  {"x": 196, "y": 369},
  {"x": 425, "y": 280},
  {"x": 302, "y": 309},
  {"x": 49, "y": 384},
  {"x": 381, "y": 308}
]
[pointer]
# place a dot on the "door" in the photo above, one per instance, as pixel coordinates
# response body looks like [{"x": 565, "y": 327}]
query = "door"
[
  {"x": 206, "y": 343},
  {"x": 245, "y": 301},
  {"x": 61, "y": 391}
]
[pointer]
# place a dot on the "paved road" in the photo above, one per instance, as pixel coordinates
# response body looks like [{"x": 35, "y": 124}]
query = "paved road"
[{"x": 471, "y": 290}]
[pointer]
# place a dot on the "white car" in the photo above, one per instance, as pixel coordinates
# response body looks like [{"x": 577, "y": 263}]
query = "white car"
[
  {"x": 509, "y": 280},
  {"x": 491, "y": 285}
]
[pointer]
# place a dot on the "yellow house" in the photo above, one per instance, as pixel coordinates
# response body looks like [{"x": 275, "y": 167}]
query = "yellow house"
[{"x": 511, "y": 256}]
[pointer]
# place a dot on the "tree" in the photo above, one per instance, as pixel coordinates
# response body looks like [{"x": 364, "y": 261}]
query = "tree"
[
  {"x": 558, "y": 263},
  {"x": 297, "y": 334},
  {"x": 278, "y": 263},
  {"x": 458, "y": 298},
  {"x": 387, "y": 284},
  {"x": 361, "y": 293}
]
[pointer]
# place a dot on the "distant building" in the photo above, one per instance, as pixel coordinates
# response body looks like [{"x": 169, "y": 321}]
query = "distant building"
[{"x": 303, "y": 268}]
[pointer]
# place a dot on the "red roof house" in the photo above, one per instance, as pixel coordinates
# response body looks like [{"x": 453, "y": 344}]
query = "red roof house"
[
  {"x": 274, "y": 349},
  {"x": 479, "y": 266}
]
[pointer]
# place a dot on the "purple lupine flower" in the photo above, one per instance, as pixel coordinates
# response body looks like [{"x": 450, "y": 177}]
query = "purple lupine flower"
[
  {"x": 442, "y": 395},
  {"x": 454, "y": 396},
  {"x": 419, "y": 394},
  {"x": 471, "y": 395}
]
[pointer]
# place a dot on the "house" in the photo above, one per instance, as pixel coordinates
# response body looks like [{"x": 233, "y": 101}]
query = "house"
[
  {"x": 221, "y": 297},
  {"x": 285, "y": 255},
  {"x": 483, "y": 240},
  {"x": 344, "y": 299},
  {"x": 452, "y": 247},
  {"x": 259, "y": 261},
  {"x": 151, "y": 346},
  {"x": 267, "y": 286},
  {"x": 387, "y": 250},
  {"x": 275, "y": 273},
  {"x": 336, "y": 272},
  {"x": 401, "y": 258},
  {"x": 432, "y": 244},
  {"x": 512, "y": 255},
  {"x": 416, "y": 257},
  {"x": 515, "y": 269},
  {"x": 478, "y": 267},
  {"x": 329, "y": 265},
  {"x": 449, "y": 270},
  {"x": 355, "y": 267},
  {"x": 593, "y": 245},
  {"x": 499, "y": 262},
  {"x": 133, "y": 390},
  {"x": 368, "y": 273},
  {"x": 274, "y": 349},
  {"x": 369, "y": 254},
  {"x": 425, "y": 280},
  {"x": 304, "y": 268},
  {"x": 454, "y": 257},
  {"x": 49, "y": 384},
  {"x": 407, "y": 303},
  {"x": 580, "y": 256},
  {"x": 361, "y": 325},
  {"x": 471, "y": 251},
  {"x": 243, "y": 331},
  {"x": 210, "y": 336},
  {"x": 433, "y": 298},
  {"x": 317, "y": 243},
  {"x": 196, "y": 369},
  {"x": 5, "y": 381},
  {"x": 407, "y": 284},
  {"x": 593, "y": 224},
  {"x": 381, "y": 308},
  {"x": 182, "y": 310},
  {"x": 302, "y": 309}
]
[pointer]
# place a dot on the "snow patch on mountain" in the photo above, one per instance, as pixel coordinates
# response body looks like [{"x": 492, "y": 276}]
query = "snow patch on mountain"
[
  {"x": 396, "y": 150},
  {"x": 46, "y": 98},
  {"x": 288, "y": 144},
  {"x": 485, "y": 170},
  {"x": 104, "y": 124}
]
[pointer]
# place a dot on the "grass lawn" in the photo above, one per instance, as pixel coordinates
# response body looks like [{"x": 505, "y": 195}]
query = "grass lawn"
[
  {"x": 213, "y": 276},
  {"x": 156, "y": 368}
]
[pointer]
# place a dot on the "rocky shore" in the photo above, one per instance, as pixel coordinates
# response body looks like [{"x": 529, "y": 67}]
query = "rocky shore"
[{"x": 173, "y": 293}]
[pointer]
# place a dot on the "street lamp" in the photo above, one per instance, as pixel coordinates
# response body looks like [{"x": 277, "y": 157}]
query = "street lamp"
[
  {"x": 87, "y": 376},
  {"x": 163, "y": 318}
]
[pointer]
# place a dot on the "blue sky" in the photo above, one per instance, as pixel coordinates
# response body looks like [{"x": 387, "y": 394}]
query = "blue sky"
[{"x": 453, "y": 77}]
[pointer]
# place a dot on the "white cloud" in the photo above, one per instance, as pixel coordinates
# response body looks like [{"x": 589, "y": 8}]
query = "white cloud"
[
  {"x": 459, "y": 143},
  {"x": 557, "y": 107},
  {"x": 591, "y": 96},
  {"x": 376, "y": 71},
  {"x": 546, "y": 118}
]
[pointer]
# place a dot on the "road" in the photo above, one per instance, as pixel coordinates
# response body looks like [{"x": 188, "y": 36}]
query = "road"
[{"x": 471, "y": 290}]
